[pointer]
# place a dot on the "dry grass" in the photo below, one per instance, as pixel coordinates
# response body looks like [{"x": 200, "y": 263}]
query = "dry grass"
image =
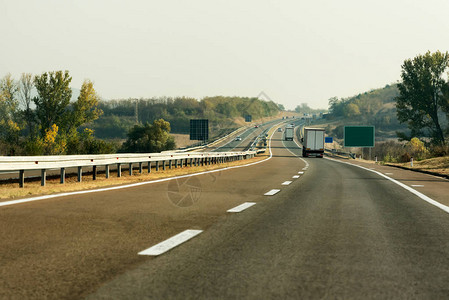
[
  {"x": 438, "y": 165},
  {"x": 11, "y": 190},
  {"x": 182, "y": 140}
]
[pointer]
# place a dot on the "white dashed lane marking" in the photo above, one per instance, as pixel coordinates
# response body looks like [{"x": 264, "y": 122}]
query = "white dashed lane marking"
[
  {"x": 286, "y": 182},
  {"x": 300, "y": 172},
  {"x": 295, "y": 176},
  {"x": 417, "y": 185},
  {"x": 272, "y": 192},
  {"x": 241, "y": 207},
  {"x": 171, "y": 243}
]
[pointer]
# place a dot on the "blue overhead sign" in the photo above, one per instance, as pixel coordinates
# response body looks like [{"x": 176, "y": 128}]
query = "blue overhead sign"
[{"x": 328, "y": 140}]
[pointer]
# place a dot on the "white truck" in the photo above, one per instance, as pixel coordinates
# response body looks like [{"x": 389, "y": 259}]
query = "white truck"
[
  {"x": 313, "y": 142},
  {"x": 288, "y": 133}
]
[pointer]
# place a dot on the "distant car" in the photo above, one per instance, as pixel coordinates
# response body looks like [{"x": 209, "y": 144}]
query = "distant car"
[
  {"x": 238, "y": 138},
  {"x": 279, "y": 129},
  {"x": 256, "y": 126}
]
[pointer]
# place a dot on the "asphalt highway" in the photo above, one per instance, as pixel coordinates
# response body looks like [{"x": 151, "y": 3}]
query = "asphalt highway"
[
  {"x": 337, "y": 231},
  {"x": 247, "y": 136}
]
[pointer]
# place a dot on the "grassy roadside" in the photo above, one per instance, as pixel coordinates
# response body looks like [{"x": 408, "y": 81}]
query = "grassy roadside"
[
  {"x": 11, "y": 190},
  {"x": 437, "y": 165}
]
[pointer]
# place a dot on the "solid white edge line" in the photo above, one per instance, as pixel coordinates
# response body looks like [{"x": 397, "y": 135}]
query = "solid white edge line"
[
  {"x": 413, "y": 191},
  {"x": 241, "y": 207},
  {"x": 45, "y": 197},
  {"x": 272, "y": 192},
  {"x": 170, "y": 243},
  {"x": 287, "y": 182}
]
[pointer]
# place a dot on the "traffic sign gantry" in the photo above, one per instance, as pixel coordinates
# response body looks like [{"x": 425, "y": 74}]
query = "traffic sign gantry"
[{"x": 359, "y": 136}]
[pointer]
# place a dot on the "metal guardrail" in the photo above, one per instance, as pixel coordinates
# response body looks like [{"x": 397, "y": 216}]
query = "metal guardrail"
[{"x": 26, "y": 163}]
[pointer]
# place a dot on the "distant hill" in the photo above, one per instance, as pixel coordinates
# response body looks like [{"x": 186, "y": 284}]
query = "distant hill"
[
  {"x": 222, "y": 112},
  {"x": 376, "y": 107}
]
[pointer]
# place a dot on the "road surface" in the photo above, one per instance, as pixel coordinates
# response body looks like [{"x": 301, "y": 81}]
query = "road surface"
[{"x": 337, "y": 231}]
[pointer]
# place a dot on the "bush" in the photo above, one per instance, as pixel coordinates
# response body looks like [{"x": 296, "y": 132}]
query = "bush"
[
  {"x": 405, "y": 157},
  {"x": 438, "y": 151}
]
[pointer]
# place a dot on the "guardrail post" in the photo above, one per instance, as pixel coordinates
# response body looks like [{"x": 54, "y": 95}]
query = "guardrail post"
[
  {"x": 140, "y": 167},
  {"x": 62, "y": 175},
  {"x": 176, "y": 163},
  {"x": 21, "y": 178},
  {"x": 119, "y": 170},
  {"x": 191, "y": 161},
  {"x": 163, "y": 165},
  {"x": 157, "y": 166},
  {"x": 94, "y": 173},
  {"x": 106, "y": 171},
  {"x": 43, "y": 177},
  {"x": 80, "y": 174},
  {"x": 130, "y": 169},
  {"x": 149, "y": 167},
  {"x": 169, "y": 163}
]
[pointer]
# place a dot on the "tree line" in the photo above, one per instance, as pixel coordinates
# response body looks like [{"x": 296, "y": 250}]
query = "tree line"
[
  {"x": 120, "y": 115},
  {"x": 47, "y": 123},
  {"x": 39, "y": 118}
]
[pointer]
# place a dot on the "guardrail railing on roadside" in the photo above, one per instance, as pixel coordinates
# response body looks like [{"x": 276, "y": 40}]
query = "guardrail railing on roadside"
[{"x": 21, "y": 164}]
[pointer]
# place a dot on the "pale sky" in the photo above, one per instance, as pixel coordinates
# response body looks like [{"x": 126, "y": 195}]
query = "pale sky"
[{"x": 295, "y": 51}]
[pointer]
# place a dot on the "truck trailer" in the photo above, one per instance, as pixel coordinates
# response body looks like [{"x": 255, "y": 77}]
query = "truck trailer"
[
  {"x": 288, "y": 133},
  {"x": 313, "y": 142}
]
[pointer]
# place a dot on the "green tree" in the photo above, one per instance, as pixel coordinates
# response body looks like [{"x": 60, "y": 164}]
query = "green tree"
[
  {"x": 8, "y": 98},
  {"x": 54, "y": 95},
  {"x": 423, "y": 93},
  {"x": 25, "y": 87},
  {"x": 149, "y": 138},
  {"x": 85, "y": 109},
  {"x": 351, "y": 110}
]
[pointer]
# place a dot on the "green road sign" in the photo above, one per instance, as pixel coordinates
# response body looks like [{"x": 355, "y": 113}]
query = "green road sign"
[
  {"x": 359, "y": 136},
  {"x": 248, "y": 118}
]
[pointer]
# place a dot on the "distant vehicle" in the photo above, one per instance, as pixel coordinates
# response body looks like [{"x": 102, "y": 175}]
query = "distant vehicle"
[
  {"x": 313, "y": 142},
  {"x": 256, "y": 126},
  {"x": 238, "y": 138},
  {"x": 288, "y": 133},
  {"x": 279, "y": 129}
]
